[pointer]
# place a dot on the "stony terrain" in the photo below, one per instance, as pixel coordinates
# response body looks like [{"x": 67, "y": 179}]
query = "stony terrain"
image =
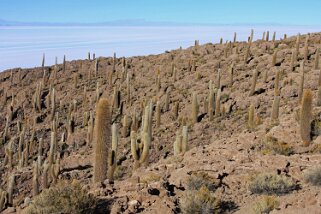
[{"x": 229, "y": 151}]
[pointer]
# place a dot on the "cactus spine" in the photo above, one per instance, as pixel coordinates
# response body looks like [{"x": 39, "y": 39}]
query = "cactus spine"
[
  {"x": 306, "y": 117},
  {"x": 102, "y": 132}
]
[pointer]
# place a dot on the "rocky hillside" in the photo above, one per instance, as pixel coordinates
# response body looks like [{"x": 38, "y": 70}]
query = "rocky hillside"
[{"x": 253, "y": 136}]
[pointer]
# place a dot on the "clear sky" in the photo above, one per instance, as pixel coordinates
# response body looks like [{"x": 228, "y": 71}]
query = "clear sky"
[{"x": 186, "y": 11}]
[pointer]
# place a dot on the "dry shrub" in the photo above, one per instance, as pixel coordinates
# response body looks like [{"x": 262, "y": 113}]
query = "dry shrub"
[
  {"x": 271, "y": 184},
  {"x": 200, "y": 201},
  {"x": 266, "y": 204},
  {"x": 199, "y": 179},
  {"x": 271, "y": 145},
  {"x": 314, "y": 176},
  {"x": 62, "y": 198}
]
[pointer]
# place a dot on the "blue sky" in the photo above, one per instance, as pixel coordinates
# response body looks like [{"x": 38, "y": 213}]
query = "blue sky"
[{"x": 183, "y": 11}]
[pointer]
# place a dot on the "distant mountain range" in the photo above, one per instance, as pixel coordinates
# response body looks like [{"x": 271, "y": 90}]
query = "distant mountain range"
[{"x": 132, "y": 22}]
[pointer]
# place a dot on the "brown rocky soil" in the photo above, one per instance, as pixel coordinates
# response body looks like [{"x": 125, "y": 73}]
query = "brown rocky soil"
[{"x": 224, "y": 148}]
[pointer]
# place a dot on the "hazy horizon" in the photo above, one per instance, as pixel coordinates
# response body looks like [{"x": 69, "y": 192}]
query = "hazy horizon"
[{"x": 24, "y": 46}]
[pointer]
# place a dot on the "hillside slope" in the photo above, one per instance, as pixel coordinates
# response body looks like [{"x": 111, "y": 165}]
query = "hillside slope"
[{"x": 227, "y": 150}]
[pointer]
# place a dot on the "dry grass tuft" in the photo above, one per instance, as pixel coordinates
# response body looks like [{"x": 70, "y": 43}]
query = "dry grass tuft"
[
  {"x": 266, "y": 204},
  {"x": 271, "y": 184},
  {"x": 314, "y": 176}
]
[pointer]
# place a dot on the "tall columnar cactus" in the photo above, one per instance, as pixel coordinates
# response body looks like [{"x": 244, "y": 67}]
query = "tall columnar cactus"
[
  {"x": 319, "y": 96},
  {"x": 43, "y": 61},
  {"x": 114, "y": 62},
  {"x": 293, "y": 60},
  {"x": 158, "y": 114},
  {"x": 3, "y": 199},
  {"x": 273, "y": 37},
  {"x": 265, "y": 75},
  {"x": 175, "y": 110},
  {"x": 267, "y": 36},
  {"x": 277, "y": 83},
  {"x": 21, "y": 144},
  {"x": 247, "y": 53},
  {"x": 102, "y": 135},
  {"x": 231, "y": 73},
  {"x": 53, "y": 104},
  {"x": 167, "y": 101},
  {"x": 234, "y": 39},
  {"x": 96, "y": 67},
  {"x": 75, "y": 81},
  {"x": 181, "y": 142},
  {"x": 275, "y": 109},
  {"x": 251, "y": 123},
  {"x": 251, "y": 36},
  {"x": 40, "y": 149},
  {"x": 317, "y": 59},
  {"x": 218, "y": 79},
  {"x": 178, "y": 144},
  {"x": 301, "y": 86},
  {"x": 71, "y": 125},
  {"x": 218, "y": 103},
  {"x": 306, "y": 117},
  {"x": 64, "y": 64},
  {"x": 52, "y": 152},
  {"x": 45, "y": 181},
  {"x": 11, "y": 183},
  {"x": 184, "y": 139},
  {"x": 195, "y": 108},
  {"x": 113, "y": 153},
  {"x": 274, "y": 57},
  {"x": 140, "y": 151},
  {"x": 306, "y": 47},
  {"x": 297, "y": 47},
  {"x": 253, "y": 84},
  {"x": 211, "y": 102},
  {"x": 35, "y": 179},
  {"x": 158, "y": 83},
  {"x": 174, "y": 73}
]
